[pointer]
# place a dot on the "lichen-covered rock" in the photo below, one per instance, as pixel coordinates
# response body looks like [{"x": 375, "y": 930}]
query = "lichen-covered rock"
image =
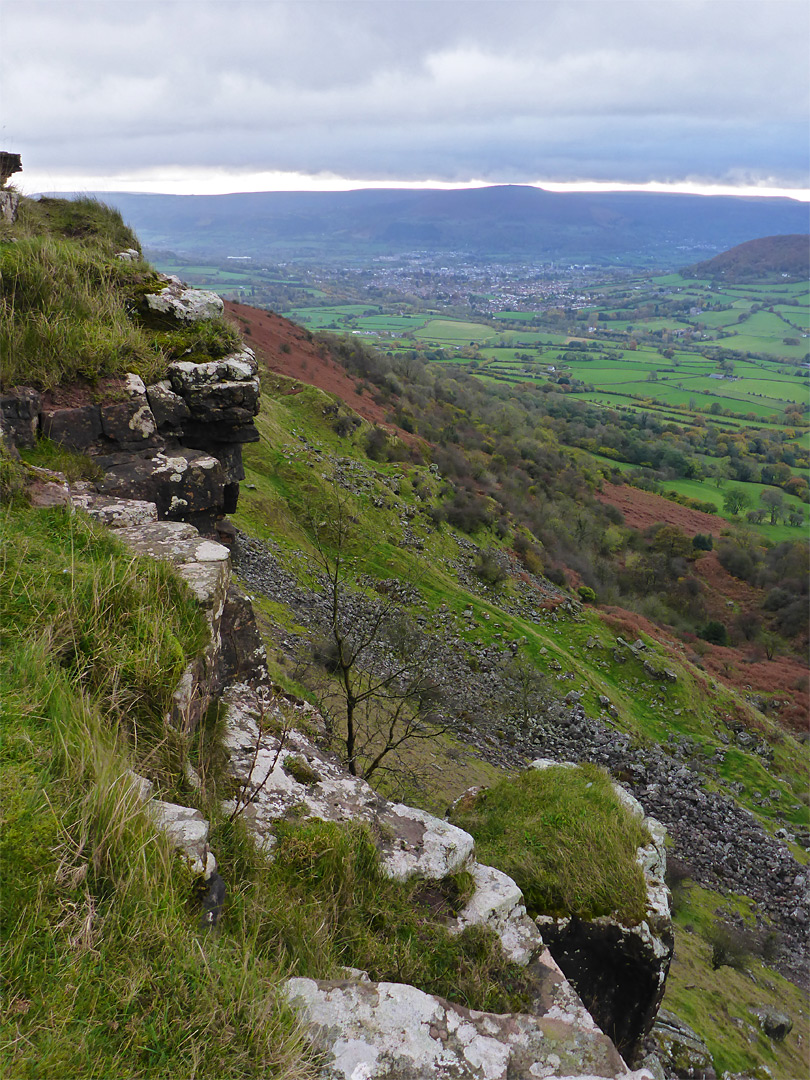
[
  {"x": 131, "y": 424},
  {"x": 498, "y": 904},
  {"x": 185, "y": 827},
  {"x": 181, "y": 482},
  {"x": 115, "y": 513},
  {"x": 412, "y": 843},
  {"x": 680, "y": 1050},
  {"x": 390, "y": 1031},
  {"x": 219, "y": 391},
  {"x": 243, "y": 654},
  {"x": 169, "y": 409},
  {"x": 183, "y": 304},
  {"x": 187, "y": 831}
]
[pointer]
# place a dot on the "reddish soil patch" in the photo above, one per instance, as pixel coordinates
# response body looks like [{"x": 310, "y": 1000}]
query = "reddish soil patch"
[
  {"x": 286, "y": 349},
  {"x": 744, "y": 668},
  {"x": 642, "y": 509},
  {"x": 723, "y": 587},
  {"x": 77, "y": 395},
  {"x": 784, "y": 677}
]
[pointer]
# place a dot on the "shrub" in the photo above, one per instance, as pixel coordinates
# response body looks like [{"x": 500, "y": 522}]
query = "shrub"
[
  {"x": 730, "y": 947},
  {"x": 715, "y": 632},
  {"x": 703, "y": 542},
  {"x": 586, "y": 594},
  {"x": 488, "y": 569}
]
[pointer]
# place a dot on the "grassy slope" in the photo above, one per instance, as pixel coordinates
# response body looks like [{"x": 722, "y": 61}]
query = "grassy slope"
[
  {"x": 280, "y": 467},
  {"x": 281, "y": 464}
]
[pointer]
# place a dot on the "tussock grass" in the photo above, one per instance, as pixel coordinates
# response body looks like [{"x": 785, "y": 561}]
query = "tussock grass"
[
  {"x": 121, "y": 627},
  {"x": 65, "y": 315},
  {"x": 71, "y": 311},
  {"x": 565, "y": 839},
  {"x": 73, "y": 465},
  {"x": 105, "y": 973},
  {"x": 334, "y": 908}
]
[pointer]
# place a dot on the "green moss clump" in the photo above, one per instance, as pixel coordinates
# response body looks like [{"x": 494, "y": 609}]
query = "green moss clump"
[
  {"x": 301, "y": 770},
  {"x": 565, "y": 838}
]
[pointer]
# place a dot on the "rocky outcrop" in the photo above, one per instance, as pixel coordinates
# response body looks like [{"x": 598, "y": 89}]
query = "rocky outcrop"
[
  {"x": 361, "y": 1028},
  {"x": 389, "y": 1031},
  {"x": 176, "y": 443},
  {"x": 677, "y": 1051},
  {"x": 412, "y": 843},
  {"x": 620, "y": 971}
]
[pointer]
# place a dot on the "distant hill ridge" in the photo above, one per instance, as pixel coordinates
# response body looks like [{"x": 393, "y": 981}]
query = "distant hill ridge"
[
  {"x": 629, "y": 228},
  {"x": 783, "y": 255}
]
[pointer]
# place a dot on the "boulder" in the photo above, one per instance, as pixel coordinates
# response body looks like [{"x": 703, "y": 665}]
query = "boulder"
[
  {"x": 390, "y": 1031},
  {"x": 776, "y": 1025},
  {"x": 185, "y": 827},
  {"x": 184, "y": 305}
]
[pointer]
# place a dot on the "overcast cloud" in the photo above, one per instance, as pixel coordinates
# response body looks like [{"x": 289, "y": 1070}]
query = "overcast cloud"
[{"x": 225, "y": 92}]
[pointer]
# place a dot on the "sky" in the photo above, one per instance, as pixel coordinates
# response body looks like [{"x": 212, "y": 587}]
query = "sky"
[{"x": 214, "y": 96}]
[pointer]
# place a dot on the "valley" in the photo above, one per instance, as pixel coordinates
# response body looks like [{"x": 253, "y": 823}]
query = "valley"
[{"x": 562, "y": 511}]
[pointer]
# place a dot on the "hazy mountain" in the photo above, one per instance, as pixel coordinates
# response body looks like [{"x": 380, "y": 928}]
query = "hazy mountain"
[{"x": 509, "y": 222}]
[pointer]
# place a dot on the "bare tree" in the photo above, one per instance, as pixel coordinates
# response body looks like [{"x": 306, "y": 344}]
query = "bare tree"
[{"x": 375, "y": 691}]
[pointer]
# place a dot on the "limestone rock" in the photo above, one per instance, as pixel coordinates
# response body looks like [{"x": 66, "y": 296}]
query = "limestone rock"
[
  {"x": 183, "y": 304},
  {"x": 389, "y": 1031},
  {"x": 620, "y": 971},
  {"x": 187, "y": 831},
  {"x": 115, "y": 513},
  {"x": 412, "y": 844},
  {"x": 220, "y": 391},
  {"x": 204, "y": 564},
  {"x": 681, "y": 1051},
  {"x": 498, "y": 904}
]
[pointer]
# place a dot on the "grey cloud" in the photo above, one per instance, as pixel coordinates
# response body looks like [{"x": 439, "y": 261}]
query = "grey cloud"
[{"x": 405, "y": 89}]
